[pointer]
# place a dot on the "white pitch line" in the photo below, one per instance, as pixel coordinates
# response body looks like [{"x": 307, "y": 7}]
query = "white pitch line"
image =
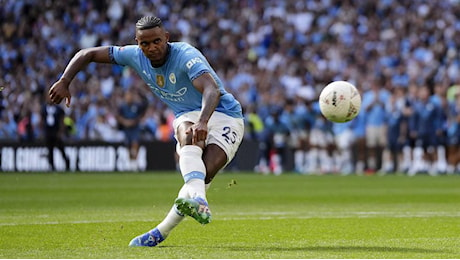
[{"x": 266, "y": 216}]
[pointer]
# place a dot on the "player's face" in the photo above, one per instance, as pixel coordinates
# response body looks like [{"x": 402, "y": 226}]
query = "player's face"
[{"x": 154, "y": 44}]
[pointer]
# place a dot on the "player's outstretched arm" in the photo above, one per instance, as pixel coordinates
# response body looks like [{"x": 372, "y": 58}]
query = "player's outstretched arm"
[{"x": 60, "y": 89}]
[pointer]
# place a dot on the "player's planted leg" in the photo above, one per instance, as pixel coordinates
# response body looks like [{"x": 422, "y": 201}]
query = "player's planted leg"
[{"x": 194, "y": 172}]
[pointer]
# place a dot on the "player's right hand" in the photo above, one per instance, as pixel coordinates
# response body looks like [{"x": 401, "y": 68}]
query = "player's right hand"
[{"x": 60, "y": 91}]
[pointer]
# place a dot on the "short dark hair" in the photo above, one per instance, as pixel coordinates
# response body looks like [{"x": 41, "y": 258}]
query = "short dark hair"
[{"x": 148, "y": 22}]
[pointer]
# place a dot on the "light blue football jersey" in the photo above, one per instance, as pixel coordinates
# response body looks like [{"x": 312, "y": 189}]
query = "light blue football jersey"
[{"x": 172, "y": 82}]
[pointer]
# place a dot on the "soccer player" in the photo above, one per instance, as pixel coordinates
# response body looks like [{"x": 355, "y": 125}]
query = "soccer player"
[{"x": 209, "y": 123}]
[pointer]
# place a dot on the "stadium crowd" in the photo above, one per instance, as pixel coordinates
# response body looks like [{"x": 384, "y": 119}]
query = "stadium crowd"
[{"x": 274, "y": 56}]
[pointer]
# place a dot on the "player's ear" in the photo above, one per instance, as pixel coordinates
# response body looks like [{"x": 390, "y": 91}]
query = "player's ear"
[{"x": 167, "y": 36}]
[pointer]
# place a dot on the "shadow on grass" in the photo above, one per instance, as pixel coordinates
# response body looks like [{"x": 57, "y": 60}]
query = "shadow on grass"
[{"x": 341, "y": 249}]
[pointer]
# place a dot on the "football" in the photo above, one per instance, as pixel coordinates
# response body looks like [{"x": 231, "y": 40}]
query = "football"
[{"x": 340, "y": 101}]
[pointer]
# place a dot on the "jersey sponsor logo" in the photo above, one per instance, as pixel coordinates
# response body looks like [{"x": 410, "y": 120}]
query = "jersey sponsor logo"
[
  {"x": 160, "y": 81},
  {"x": 192, "y": 62},
  {"x": 172, "y": 78},
  {"x": 175, "y": 97}
]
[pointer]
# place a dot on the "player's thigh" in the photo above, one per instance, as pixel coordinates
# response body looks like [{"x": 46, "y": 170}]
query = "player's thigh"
[{"x": 226, "y": 132}]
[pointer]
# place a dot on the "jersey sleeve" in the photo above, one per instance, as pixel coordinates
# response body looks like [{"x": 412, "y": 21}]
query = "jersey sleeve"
[
  {"x": 195, "y": 63},
  {"x": 123, "y": 55}
]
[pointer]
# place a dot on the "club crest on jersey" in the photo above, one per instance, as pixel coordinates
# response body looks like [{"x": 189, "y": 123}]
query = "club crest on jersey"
[
  {"x": 172, "y": 78},
  {"x": 160, "y": 81}
]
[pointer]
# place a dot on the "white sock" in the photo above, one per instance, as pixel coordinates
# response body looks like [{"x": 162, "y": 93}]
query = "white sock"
[
  {"x": 173, "y": 218},
  {"x": 169, "y": 222},
  {"x": 193, "y": 170}
]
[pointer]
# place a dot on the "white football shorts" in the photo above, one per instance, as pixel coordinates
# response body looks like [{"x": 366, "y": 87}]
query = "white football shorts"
[{"x": 225, "y": 131}]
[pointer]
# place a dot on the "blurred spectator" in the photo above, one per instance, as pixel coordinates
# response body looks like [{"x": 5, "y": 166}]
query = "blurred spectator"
[
  {"x": 278, "y": 136},
  {"x": 453, "y": 134},
  {"x": 69, "y": 124},
  {"x": 343, "y": 142},
  {"x": 105, "y": 129},
  {"x": 321, "y": 144},
  {"x": 149, "y": 124},
  {"x": 408, "y": 114},
  {"x": 358, "y": 126},
  {"x": 396, "y": 132},
  {"x": 164, "y": 131},
  {"x": 129, "y": 116},
  {"x": 54, "y": 130},
  {"x": 303, "y": 120},
  {"x": 439, "y": 98},
  {"x": 424, "y": 128},
  {"x": 259, "y": 48},
  {"x": 8, "y": 127},
  {"x": 26, "y": 128},
  {"x": 254, "y": 124},
  {"x": 373, "y": 103}
]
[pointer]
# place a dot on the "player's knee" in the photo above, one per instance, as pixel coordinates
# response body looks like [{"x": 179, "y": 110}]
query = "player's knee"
[{"x": 185, "y": 138}]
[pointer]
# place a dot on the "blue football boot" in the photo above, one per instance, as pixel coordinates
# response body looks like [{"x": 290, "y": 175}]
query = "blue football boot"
[{"x": 151, "y": 238}]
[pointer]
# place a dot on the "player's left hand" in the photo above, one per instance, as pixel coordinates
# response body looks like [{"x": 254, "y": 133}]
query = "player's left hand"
[{"x": 199, "y": 133}]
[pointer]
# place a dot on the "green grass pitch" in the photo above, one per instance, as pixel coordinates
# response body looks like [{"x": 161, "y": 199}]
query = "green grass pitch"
[{"x": 95, "y": 215}]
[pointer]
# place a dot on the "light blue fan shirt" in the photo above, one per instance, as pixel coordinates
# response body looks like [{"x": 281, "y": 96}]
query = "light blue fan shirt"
[{"x": 172, "y": 82}]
